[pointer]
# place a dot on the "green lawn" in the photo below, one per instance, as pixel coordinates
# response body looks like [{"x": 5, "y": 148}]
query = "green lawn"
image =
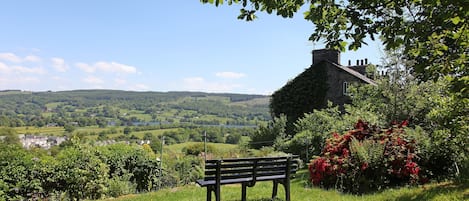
[{"x": 300, "y": 191}]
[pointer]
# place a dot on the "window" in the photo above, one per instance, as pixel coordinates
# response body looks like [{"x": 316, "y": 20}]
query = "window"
[{"x": 345, "y": 88}]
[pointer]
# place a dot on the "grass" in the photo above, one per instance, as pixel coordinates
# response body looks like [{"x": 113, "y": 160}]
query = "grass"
[
  {"x": 300, "y": 191},
  {"x": 220, "y": 147},
  {"x": 56, "y": 131}
]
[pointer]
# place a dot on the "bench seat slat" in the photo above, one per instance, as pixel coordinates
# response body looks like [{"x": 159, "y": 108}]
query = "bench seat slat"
[
  {"x": 248, "y": 175},
  {"x": 246, "y": 169},
  {"x": 203, "y": 183}
]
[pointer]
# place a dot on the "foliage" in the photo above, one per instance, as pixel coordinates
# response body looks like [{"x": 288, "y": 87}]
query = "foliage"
[
  {"x": 428, "y": 105},
  {"x": 314, "y": 128},
  {"x": 133, "y": 162},
  {"x": 367, "y": 159},
  {"x": 301, "y": 95},
  {"x": 198, "y": 148},
  {"x": 127, "y": 130},
  {"x": 188, "y": 169},
  {"x": 234, "y": 138},
  {"x": 441, "y": 52},
  {"x": 78, "y": 171},
  {"x": 69, "y": 128},
  {"x": 17, "y": 168},
  {"x": 81, "y": 174},
  {"x": 118, "y": 186},
  {"x": 9, "y": 136},
  {"x": 266, "y": 135}
]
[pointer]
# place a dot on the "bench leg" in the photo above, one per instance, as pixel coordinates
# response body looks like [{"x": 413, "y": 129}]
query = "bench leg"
[
  {"x": 217, "y": 193},
  {"x": 274, "y": 189},
  {"x": 243, "y": 192},
  {"x": 209, "y": 193},
  {"x": 287, "y": 189}
]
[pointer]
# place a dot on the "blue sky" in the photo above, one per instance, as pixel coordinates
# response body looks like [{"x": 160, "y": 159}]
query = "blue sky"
[{"x": 152, "y": 46}]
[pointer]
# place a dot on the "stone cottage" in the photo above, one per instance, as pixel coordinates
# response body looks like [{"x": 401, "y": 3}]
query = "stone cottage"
[{"x": 325, "y": 80}]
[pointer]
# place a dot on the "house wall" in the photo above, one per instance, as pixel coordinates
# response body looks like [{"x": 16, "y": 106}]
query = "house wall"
[{"x": 336, "y": 78}]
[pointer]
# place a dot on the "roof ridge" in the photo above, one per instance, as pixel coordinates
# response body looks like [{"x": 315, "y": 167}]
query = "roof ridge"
[{"x": 355, "y": 73}]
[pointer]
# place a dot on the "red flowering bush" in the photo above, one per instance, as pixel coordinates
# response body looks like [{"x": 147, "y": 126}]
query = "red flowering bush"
[{"x": 366, "y": 159}]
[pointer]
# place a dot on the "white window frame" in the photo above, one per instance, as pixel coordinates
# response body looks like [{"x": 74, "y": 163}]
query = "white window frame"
[{"x": 345, "y": 88}]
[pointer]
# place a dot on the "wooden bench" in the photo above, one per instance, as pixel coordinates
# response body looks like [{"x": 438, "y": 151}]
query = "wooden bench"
[{"x": 247, "y": 171}]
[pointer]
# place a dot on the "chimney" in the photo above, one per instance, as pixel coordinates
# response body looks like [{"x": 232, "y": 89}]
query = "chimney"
[{"x": 326, "y": 55}]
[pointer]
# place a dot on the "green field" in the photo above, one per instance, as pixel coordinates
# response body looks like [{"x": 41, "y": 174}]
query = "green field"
[
  {"x": 55, "y": 131},
  {"x": 301, "y": 191},
  {"x": 220, "y": 147}
]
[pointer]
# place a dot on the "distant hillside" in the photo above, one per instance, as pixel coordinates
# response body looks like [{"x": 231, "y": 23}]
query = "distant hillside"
[{"x": 111, "y": 107}]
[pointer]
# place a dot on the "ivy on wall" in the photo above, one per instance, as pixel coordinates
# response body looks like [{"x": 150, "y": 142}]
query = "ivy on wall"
[{"x": 301, "y": 95}]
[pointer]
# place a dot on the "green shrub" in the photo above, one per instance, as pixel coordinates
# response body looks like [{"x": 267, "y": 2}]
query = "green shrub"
[
  {"x": 81, "y": 174},
  {"x": 132, "y": 162},
  {"x": 314, "y": 128},
  {"x": 188, "y": 169},
  {"x": 18, "y": 169},
  {"x": 120, "y": 185},
  {"x": 234, "y": 138}
]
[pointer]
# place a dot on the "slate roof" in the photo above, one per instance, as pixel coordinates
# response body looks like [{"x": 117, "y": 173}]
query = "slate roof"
[{"x": 355, "y": 74}]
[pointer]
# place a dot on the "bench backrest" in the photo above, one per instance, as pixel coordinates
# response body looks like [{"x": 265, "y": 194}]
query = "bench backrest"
[{"x": 254, "y": 168}]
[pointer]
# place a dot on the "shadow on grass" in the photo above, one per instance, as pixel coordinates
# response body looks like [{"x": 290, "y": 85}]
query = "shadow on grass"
[{"x": 457, "y": 189}]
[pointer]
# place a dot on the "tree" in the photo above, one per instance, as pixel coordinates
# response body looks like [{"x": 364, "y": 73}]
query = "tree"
[
  {"x": 69, "y": 128},
  {"x": 234, "y": 138},
  {"x": 127, "y": 130},
  {"x": 265, "y": 135},
  {"x": 9, "y": 136},
  {"x": 433, "y": 33}
]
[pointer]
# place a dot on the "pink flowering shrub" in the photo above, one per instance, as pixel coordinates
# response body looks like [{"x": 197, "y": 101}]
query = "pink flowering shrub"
[{"x": 366, "y": 159}]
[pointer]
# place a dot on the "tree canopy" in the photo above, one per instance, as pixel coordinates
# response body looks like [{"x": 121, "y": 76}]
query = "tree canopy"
[{"x": 433, "y": 33}]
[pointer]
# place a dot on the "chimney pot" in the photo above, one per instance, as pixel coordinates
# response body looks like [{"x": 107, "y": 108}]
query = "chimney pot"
[
  {"x": 358, "y": 62},
  {"x": 349, "y": 62},
  {"x": 366, "y": 61},
  {"x": 361, "y": 62}
]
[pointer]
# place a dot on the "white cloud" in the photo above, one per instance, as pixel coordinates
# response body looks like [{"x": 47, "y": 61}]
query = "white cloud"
[
  {"x": 59, "y": 64},
  {"x": 92, "y": 80},
  {"x": 111, "y": 67},
  {"x": 230, "y": 75},
  {"x": 4, "y": 68},
  {"x": 32, "y": 58},
  {"x": 85, "y": 67},
  {"x": 115, "y": 67},
  {"x": 22, "y": 69},
  {"x": 10, "y": 57},
  {"x": 200, "y": 84}
]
